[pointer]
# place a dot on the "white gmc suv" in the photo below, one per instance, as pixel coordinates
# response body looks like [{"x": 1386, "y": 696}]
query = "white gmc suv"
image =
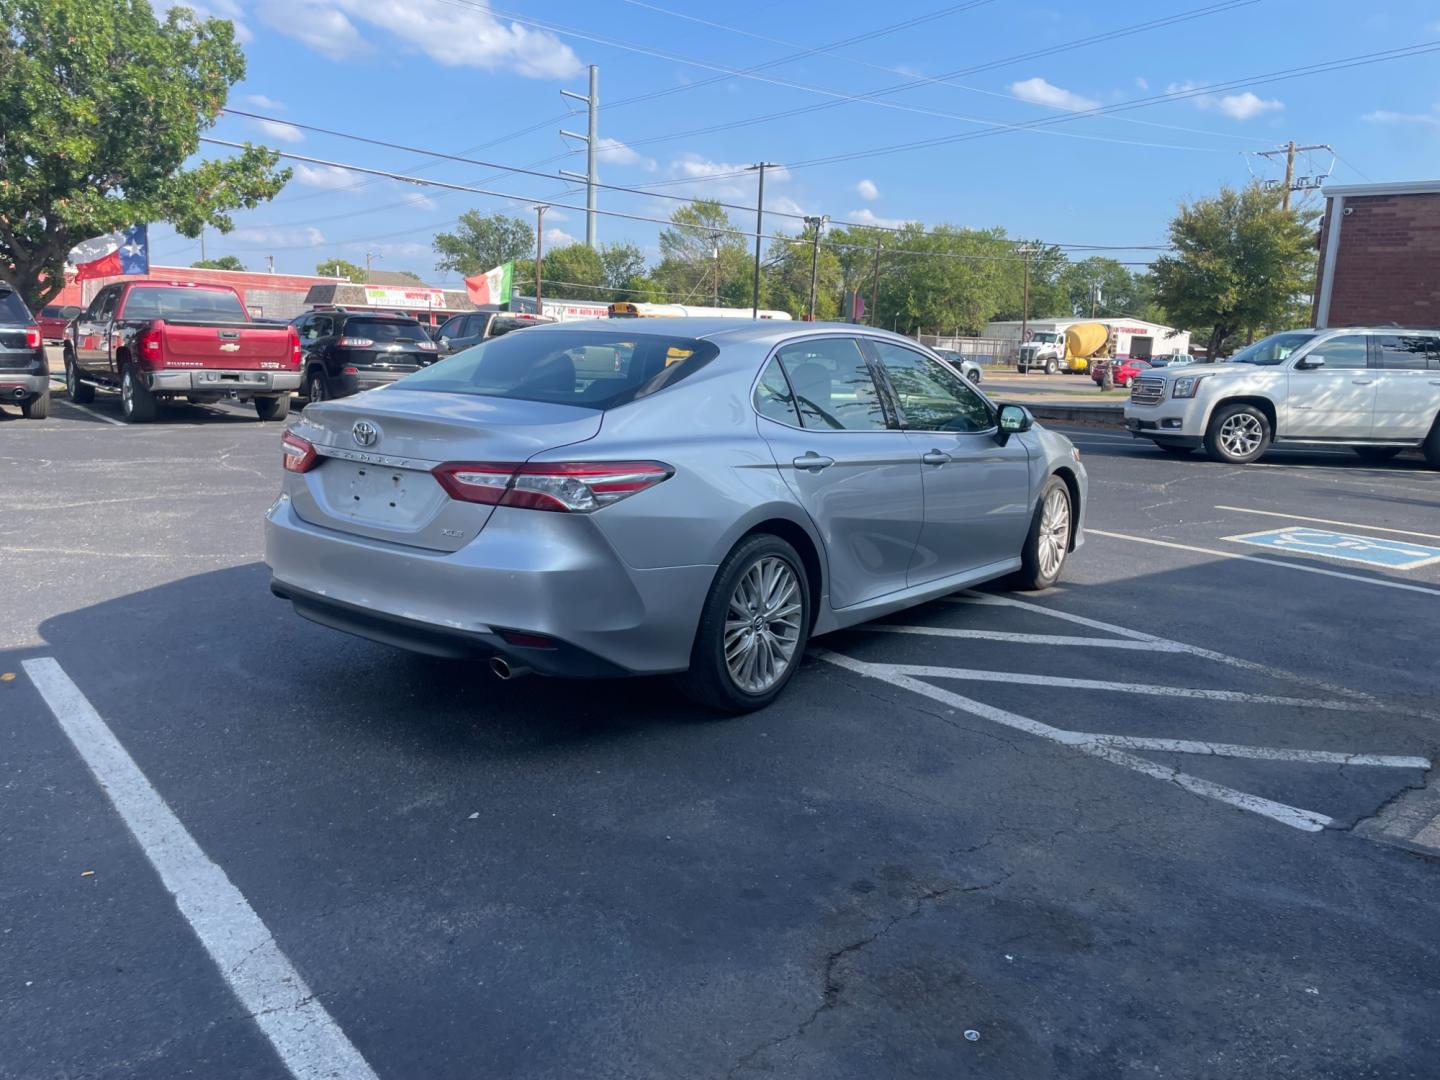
[{"x": 1375, "y": 390}]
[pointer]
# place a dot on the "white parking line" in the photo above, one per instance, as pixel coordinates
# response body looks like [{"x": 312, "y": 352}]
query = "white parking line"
[
  {"x": 1330, "y": 521},
  {"x": 1293, "y": 816},
  {"x": 1026, "y": 639},
  {"x": 96, "y": 415},
  {"x": 1025, "y": 678},
  {"x": 274, "y": 995},
  {"x": 1264, "y": 753},
  {"x": 1280, "y": 563}
]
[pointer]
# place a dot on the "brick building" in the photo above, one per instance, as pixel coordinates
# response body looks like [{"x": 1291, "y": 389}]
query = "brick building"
[{"x": 1379, "y": 259}]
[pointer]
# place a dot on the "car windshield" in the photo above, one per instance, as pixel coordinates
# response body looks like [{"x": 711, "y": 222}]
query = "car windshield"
[
  {"x": 594, "y": 369},
  {"x": 12, "y": 308},
  {"x": 1046, "y": 338},
  {"x": 385, "y": 330},
  {"x": 1273, "y": 349},
  {"x": 218, "y": 305}
]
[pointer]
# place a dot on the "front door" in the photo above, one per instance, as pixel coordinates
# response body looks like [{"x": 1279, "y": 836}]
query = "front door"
[
  {"x": 977, "y": 492},
  {"x": 1335, "y": 400},
  {"x": 92, "y": 333},
  {"x": 855, "y": 473},
  {"x": 1407, "y": 386}
]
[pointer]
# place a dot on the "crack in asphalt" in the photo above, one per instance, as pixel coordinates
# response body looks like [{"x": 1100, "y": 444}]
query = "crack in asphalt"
[{"x": 831, "y": 984}]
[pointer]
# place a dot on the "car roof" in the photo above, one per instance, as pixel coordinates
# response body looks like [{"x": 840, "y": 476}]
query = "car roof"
[{"x": 722, "y": 331}]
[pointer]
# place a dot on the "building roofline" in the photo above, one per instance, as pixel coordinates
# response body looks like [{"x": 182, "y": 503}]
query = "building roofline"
[{"x": 1402, "y": 187}]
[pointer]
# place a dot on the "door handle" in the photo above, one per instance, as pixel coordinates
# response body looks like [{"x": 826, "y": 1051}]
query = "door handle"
[
  {"x": 1361, "y": 382},
  {"x": 813, "y": 462},
  {"x": 935, "y": 457}
]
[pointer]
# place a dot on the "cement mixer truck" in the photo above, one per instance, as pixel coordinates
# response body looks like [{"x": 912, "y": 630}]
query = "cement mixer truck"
[
  {"x": 1084, "y": 342},
  {"x": 1070, "y": 346}
]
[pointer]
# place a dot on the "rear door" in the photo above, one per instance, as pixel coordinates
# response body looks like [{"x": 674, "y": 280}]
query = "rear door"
[
  {"x": 1336, "y": 400},
  {"x": 977, "y": 492},
  {"x": 1407, "y": 385},
  {"x": 841, "y": 453}
]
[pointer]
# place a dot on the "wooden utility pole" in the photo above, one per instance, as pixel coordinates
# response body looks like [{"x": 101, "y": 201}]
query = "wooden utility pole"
[
  {"x": 1307, "y": 183},
  {"x": 816, "y": 223},
  {"x": 1289, "y": 172},
  {"x": 1025, "y": 251},
  {"x": 875, "y": 284},
  {"x": 539, "y": 252},
  {"x": 759, "y": 219}
]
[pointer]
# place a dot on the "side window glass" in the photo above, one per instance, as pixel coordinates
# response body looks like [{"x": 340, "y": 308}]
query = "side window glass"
[
  {"x": 104, "y": 305},
  {"x": 322, "y": 327},
  {"x": 451, "y": 329},
  {"x": 773, "y": 398},
  {"x": 931, "y": 397},
  {"x": 1343, "y": 353},
  {"x": 1405, "y": 353},
  {"x": 833, "y": 386}
]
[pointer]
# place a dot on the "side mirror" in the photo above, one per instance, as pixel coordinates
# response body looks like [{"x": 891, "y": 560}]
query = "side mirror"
[
  {"x": 1310, "y": 362},
  {"x": 1013, "y": 420}
]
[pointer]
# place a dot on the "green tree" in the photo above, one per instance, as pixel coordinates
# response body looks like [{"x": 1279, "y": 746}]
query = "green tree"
[
  {"x": 787, "y": 276},
  {"x": 574, "y": 272},
  {"x": 340, "y": 268},
  {"x": 1121, "y": 292},
  {"x": 1241, "y": 261},
  {"x": 702, "y": 259},
  {"x": 225, "y": 262},
  {"x": 1047, "y": 292},
  {"x": 624, "y": 270},
  {"x": 100, "y": 106},
  {"x": 481, "y": 243}
]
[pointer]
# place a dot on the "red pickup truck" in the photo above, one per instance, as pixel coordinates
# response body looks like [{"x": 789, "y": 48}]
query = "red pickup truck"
[{"x": 152, "y": 340}]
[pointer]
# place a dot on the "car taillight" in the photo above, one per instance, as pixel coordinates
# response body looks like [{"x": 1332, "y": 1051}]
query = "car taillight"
[
  {"x": 150, "y": 344},
  {"x": 297, "y": 454},
  {"x": 32, "y": 337},
  {"x": 355, "y": 342},
  {"x": 425, "y": 346},
  {"x": 576, "y": 487},
  {"x": 295, "y": 355}
]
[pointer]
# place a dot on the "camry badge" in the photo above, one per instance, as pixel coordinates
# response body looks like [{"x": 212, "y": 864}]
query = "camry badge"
[{"x": 365, "y": 433}]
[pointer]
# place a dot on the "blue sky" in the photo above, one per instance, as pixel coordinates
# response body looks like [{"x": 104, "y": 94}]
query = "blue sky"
[{"x": 453, "y": 75}]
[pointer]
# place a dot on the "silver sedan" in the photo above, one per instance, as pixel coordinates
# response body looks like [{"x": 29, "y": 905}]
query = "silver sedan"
[{"x": 688, "y": 496}]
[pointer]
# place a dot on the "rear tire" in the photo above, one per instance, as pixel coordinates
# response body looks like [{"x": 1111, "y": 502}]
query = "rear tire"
[
  {"x": 1238, "y": 434},
  {"x": 1048, "y": 543},
  {"x": 36, "y": 408},
  {"x": 137, "y": 403},
  {"x": 759, "y": 607},
  {"x": 273, "y": 408},
  {"x": 75, "y": 390},
  {"x": 1376, "y": 453}
]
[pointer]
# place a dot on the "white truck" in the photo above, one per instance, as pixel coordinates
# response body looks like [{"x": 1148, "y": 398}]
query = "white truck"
[{"x": 1374, "y": 390}]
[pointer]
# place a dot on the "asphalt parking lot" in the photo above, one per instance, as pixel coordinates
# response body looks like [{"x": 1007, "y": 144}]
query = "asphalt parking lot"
[{"x": 1169, "y": 819}]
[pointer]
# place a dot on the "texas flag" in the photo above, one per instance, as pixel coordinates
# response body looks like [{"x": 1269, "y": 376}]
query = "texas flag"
[
  {"x": 491, "y": 287},
  {"x": 116, "y": 253}
]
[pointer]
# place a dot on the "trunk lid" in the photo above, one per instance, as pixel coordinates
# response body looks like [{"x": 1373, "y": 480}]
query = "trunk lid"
[
  {"x": 398, "y": 358},
  {"x": 379, "y": 485},
  {"x": 237, "y": 346}
]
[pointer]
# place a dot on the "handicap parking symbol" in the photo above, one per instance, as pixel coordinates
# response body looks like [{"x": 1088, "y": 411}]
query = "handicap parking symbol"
[{"x": 1389, "y": 554}]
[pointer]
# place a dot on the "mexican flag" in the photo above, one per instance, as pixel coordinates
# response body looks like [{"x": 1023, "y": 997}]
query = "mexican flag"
[{"x": 492, "y": 287}]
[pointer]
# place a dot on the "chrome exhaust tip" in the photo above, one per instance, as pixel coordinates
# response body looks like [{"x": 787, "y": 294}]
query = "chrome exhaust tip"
[{"x": 505, "y": 670}]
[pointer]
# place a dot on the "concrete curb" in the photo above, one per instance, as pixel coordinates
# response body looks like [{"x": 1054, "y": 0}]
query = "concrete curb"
[{"x": 1099, "y": 415}]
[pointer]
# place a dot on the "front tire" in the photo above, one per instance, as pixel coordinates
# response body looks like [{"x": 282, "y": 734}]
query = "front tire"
[
  {"x": 316, "y": 388},
  {"x": 273, "y": 408},
  {"x": 75, "y": 390},
  {"x": 137, "y": 403},
  {"x": 1048, "y": 543},
  {"x": 36, "y": 408},
  {"x": 1051, "y": 367},
  {"x": 753, "y": 628},
  {"x": 1238, "y": 434},
  {"x": 1431, "y": 448}
]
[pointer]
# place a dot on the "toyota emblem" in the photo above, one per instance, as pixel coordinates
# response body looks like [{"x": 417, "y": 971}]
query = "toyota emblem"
[{"x": 365, "y": 433}]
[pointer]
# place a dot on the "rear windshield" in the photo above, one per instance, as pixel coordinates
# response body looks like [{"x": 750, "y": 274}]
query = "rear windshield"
[
  {"x": 12, "y": 308},
  {"x": 183, "y": 303},
  {"x": 385, "y": 330},
  {"x": 595, "y": 369}
]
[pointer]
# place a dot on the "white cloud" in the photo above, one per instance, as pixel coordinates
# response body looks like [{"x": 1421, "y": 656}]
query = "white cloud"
[
  {"x": 558, "y": 238},
  {"x": 260, "y": 101},
  {"x": 719, "y": 179},
  {"x": 326, "y": 176},
  {"x": 449, "y": 35},
  {"x": 1039, "y": 92},
  {"x": 408, "y": 249},
  {"x": 615, "y": 152},
  {"x": 867, "y": 216},
  {"x": 1142, "y": 83},
  {"x": 1385, "y": 116},
  {"x": 785, "y": 205},
  {"x": 419, "y": 201},
  {"x": 280, "y": 236},
  {"x": 1236, "y": 106},
  {"x": 868, "y": 190},
  {"x": 278, "y": 130}
]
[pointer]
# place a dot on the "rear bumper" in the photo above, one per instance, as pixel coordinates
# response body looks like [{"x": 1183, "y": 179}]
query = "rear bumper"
[
  {"x": 546, "y": 574},
  {"x": 17, "y": 387},
  {"x": 223, "y": 381}
]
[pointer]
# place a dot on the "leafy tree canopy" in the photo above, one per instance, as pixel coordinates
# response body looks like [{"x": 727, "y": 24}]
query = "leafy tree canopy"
[
  {"x": 224, "y": 262},
  {"x": 481, "y": 243},
  {"x": 340, "y": 268},
  {"x": 100, "y": 106}
]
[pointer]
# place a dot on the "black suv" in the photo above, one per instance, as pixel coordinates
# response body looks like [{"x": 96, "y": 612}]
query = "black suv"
[
  {"x": 471, "y": 329},
  {"x": 24, "y": 374},
  {"x": 346, "y": 351}
]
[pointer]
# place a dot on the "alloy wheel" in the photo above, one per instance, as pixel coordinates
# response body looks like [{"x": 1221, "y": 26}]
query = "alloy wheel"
[
  {"x": 127, "y": 393},
  {"x": 317, "y": 389},
  {"x": 1054, "y": 532},
  {"x": 1241, "y": 435},
  {"x": 762, "y": 626}
]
